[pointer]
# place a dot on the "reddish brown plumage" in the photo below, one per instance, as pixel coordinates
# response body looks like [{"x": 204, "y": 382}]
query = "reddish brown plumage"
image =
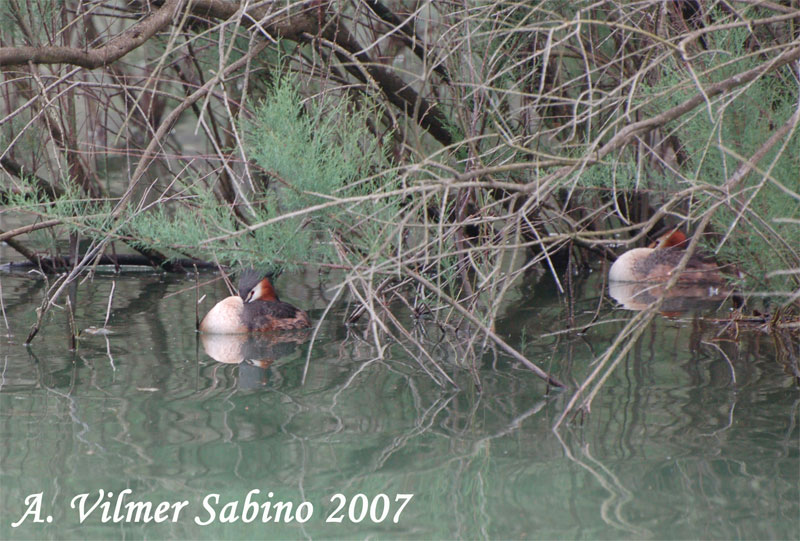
[
  {"x": 267, "y": 291},
  {"x": 671, "y": 239}
]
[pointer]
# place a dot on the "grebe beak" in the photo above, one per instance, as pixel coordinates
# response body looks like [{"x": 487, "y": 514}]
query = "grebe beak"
[{"x": 254, "y": 293}]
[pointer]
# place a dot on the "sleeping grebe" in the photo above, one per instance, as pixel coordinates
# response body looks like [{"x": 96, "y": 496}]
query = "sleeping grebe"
[
  {"x": 256, "y": 309},
  {"x": 656, "y": 264}
]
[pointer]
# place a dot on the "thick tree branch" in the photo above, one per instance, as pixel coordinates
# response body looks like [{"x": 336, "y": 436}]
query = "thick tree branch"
[
  {"x": 15, "y": 169},
  {"x": 51, "y": 264},
  {"x": 289, "y": 27},
  {"x": 5, "y": 236},
  {"x": 397, "y": 91},
  {"x": 405, "y": 31},
  {"x": 115, "y": 49},
  {"x": 30, "y": 255}
]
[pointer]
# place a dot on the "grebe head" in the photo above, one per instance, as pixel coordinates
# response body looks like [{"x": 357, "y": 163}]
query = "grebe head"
[
  {"x": 255, "y": 286},
  {"x": 670, "y": 239}
]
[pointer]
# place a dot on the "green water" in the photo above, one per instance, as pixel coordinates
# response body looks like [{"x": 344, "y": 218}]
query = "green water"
[{"x": 673, "y": 447}]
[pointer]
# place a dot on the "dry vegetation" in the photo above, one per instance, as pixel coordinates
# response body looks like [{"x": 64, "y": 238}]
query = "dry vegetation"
[{"x": 432, "y": 151}]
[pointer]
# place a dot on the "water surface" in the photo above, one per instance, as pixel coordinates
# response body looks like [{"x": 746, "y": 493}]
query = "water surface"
[{"x": 695, "y": 435}]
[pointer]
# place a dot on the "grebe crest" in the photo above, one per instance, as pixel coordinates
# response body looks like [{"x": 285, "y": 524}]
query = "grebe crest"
[{"x": 255, "y": 285}]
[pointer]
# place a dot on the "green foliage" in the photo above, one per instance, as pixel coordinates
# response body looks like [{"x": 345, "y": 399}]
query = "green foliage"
[
  {"x": 622, "y": 175},
  {"x": 735, "y": 129},
  {"x": 316, "y": 153},
  {"x": 78, "y": 214},
  {"x": 181, "y": 229},
  {"x": 717, "y": 138},
  {"x": 10, "y": 30},
  {"x": 319, "y": 150}
]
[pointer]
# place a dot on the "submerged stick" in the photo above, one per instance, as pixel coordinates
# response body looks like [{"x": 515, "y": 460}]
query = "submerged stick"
[
  {"x": 73, "y": 343},
  {"x": 40, "y": 312},
  {"x": 196, "y": 300},
  {"x": 110, "y": 299},
  {"x": 64, "y": 281},
  {"x": 3, "y": 306}
]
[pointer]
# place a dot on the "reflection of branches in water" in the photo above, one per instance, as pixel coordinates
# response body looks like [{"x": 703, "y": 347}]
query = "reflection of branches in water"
[
  {"x": 385, "y": 326},
  {"x": 431, "y": 411},
  {"x": 120, "y": 408},
  {"x": 788, "y": 353},
  {"x": 422, "y": 425},
  {"x": 617, "y": 351},
  {"x": 453, "y": 350},
  {"x": 317, "y": 327},
  {"x": 618, "y": 495},
  {"x": 709, "y": 479},
  {"x": 3, "y": 307},
  {"x": 127, "y": 437},
  {"x": 724, "y": 356},
  {"x": 21, "y": 300},
  {"x": 629, "y": 341},
  {"x": 474, "y": 446},
  {"x": 790, "y": 440},
  {"x": 93, "y": 376},
  {"x": 84, "y": 426},
  {"x": 108, "y": 353},
  {"x": 727, "y": 425}
]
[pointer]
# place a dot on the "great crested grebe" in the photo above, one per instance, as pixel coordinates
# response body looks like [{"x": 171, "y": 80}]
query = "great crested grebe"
[
  {"x": 255, "y": 309},
  {"x": 656, "y": 264}
]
